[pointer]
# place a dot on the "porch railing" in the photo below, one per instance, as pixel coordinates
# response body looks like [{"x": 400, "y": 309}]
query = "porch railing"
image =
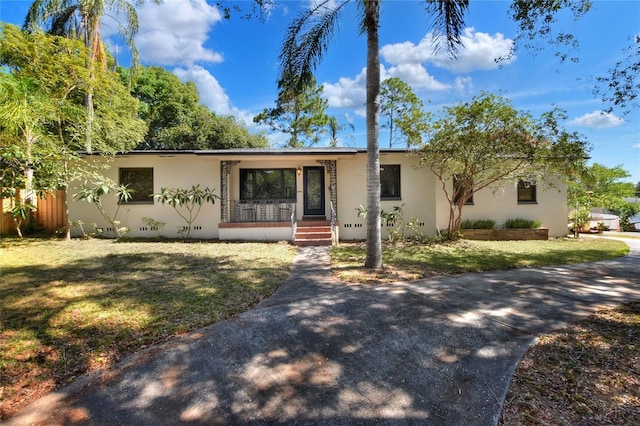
[{"x": 261, "y": 210}]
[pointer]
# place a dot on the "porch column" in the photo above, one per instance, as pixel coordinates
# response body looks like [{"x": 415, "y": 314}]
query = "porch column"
[
  {"x": 330, "y": 165},
  {"x": 225, "y": 169}
]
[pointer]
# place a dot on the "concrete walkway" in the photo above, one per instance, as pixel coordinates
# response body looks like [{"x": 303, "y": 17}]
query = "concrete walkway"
[{"x": 435, "y": 351}]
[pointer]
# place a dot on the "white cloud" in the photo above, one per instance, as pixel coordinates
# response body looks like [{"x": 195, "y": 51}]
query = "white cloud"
[
  {"x": 478, "y": 52},
  {"x": 352, "y": 92},
  {"x": 463, "y": 84},
  {"x": 174, "y": 32},
  {"x": 600, "y": 119},
  {"x": 211, "y": 93},
  {"x": 347, "y": 92},
  {"x": 416, "y": 76}
]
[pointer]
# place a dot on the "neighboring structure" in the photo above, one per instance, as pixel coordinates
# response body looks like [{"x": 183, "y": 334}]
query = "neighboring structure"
[{"x": 276, "y": 194}]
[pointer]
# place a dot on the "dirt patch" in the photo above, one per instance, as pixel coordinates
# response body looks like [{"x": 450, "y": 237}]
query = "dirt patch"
[{"x": 585, "y": 374}]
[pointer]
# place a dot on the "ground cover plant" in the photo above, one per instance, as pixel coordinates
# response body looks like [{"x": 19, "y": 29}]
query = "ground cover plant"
[
  {"x": 71, "y": 307},
  {"x": 414, "y": 261},
  {"x": 587, "y": 373}
]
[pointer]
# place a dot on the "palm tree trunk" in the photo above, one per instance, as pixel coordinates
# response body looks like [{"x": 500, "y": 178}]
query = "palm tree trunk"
[{"x": 374, "y": 240}]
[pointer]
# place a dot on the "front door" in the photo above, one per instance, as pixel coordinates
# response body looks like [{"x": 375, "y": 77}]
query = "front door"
[{"x": 313, "y": 182}]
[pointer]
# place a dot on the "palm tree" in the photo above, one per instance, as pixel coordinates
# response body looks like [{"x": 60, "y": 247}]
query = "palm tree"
[
  {"x": 335, "y": 127},
  {"x": 81, "y": 19},
  {"x": 307, "y": 40}
]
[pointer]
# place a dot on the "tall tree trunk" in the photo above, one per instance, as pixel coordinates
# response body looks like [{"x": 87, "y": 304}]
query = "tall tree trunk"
[{"x": 374, "y": 240}]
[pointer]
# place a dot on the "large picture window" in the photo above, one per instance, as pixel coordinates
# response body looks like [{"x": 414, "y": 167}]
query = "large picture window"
[
  {"x": 140, "y": 182},
  {"x": 267, "y": 184},
  {"x": 526, "y": 192},
  {"x": 390, "y": 182}
]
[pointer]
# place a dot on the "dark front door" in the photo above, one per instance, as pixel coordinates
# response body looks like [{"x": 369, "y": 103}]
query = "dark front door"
[{"x": 313, "y": 182}]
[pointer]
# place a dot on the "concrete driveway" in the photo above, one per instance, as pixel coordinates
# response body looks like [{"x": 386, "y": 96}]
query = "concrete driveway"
[{"x": 435, "y": 351}]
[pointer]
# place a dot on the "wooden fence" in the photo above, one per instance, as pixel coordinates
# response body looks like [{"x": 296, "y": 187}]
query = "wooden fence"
[{"x": 51, "y": 215}]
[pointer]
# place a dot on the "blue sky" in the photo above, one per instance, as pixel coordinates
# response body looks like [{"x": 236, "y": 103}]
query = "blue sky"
[{"x": 234, "y": 63}]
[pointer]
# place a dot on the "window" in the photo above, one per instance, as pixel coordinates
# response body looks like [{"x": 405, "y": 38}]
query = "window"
[
  {"x": 526, "y": 192},
  {"x": 390, "y": 182},
  {"x": 140, "y": 182},
  {"x": 267, "y": 184},
  {"x": 457, "y": 191}
]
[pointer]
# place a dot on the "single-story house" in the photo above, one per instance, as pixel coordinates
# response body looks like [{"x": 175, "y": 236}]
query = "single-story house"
[{"x": 308, "y": 194}]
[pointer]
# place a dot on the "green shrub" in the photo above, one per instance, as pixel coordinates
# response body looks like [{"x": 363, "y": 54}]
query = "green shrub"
[
  {"x": 478, "y": 224},
  {"x": 523, "y": 223}
]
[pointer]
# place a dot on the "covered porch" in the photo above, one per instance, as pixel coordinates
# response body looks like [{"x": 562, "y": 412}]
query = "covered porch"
[{"x": 264, "y": 197}]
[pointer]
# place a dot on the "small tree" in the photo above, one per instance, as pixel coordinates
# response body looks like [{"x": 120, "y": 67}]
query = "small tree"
[
  {"x": 93, "y": 191},
  {"x": 399, "y": 104},
  {"x": 486, "y": 142},
  {"x": 190, "y": 200},
  {"x": 299, "y": 112}
]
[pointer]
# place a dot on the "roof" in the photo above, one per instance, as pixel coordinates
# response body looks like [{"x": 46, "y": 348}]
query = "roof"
[{"x": 331, "y": 151}]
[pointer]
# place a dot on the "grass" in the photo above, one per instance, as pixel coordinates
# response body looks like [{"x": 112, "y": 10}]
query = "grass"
[
  {"x": 412, "y": 261},
  {"x": 587, "y": 373},
  {"x": 72, "y": 307}
]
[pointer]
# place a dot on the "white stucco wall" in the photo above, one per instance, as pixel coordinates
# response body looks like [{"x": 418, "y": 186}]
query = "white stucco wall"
[
  {"x": 501, "y": 205},
  {"x": 179, "y": 171},
  {"x": 416, "y": 187},
  {"x": 421, "y": 196}
]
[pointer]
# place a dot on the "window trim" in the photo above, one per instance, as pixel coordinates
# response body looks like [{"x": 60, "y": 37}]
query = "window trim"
[
  {"x": 282, "y": 182},
  {"x": 399, "y": 176},
  {"x": 469, "y": 202},
  {"x": 150, "y": 199},
  {"x": 534, "y": 189}
]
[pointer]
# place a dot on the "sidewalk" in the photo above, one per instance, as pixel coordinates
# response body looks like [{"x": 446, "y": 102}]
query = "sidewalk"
[{"x": 434, "y": 351}]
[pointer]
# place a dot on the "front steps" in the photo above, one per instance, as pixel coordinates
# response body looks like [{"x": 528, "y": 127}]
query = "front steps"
[{"x": 313, "y": 233}]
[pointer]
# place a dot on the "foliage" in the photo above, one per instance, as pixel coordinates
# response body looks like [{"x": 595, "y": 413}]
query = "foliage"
[
  {"x": 478, "y": 224},
  {"x": 177, "y": 121},
  {"x": 402, "y": 108},
  {"x": 44, "y": 118},
  {"x": 334, "y": 127},
  {"x": 486, "y": 143},
  {"x": 401, "y": 226},
  {"x": 190, "y": 200},
  {"x": 523, "y": 223},
  {"x": 300, "y": 113},
  {"x": 621, "y": 86},
  {"x": 92, "y": 192},
  {"x": 625, "y": 210},
  {"x": 600, "y": 186},
  {"x": 537, "y": 23},
  {"x": 579, "y": 218},
  {"x": 82, "y": 20}
]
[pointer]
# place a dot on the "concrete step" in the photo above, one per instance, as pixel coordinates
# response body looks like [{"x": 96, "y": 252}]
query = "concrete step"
[
  {"x": 312, "y": 235},
  {"x": 313, "y": 242}
]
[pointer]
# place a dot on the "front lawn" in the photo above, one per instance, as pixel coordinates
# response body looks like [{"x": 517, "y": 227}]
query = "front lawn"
[
  {"x": 71, "y": 307},
  {"x": 404, "y": 262}
]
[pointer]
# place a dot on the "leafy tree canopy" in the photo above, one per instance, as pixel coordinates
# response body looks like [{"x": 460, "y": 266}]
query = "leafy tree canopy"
[
  {"x": 486, "y": 142},
  {"x": 402, "y": 109},
  {"x": 177, "y": 120},
  {"x": 600, "y": 186},
  {"x": 299, "y": 111}
]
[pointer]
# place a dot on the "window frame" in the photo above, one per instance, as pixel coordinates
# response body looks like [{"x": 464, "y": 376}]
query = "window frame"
[
  {"x": 245, "y": 172},
  {"x": 397, "y": 177},
  {"x": 456, "y": 193},
  {"x": 532, "y": 198},
  {"x": 143, "y": 199}
]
